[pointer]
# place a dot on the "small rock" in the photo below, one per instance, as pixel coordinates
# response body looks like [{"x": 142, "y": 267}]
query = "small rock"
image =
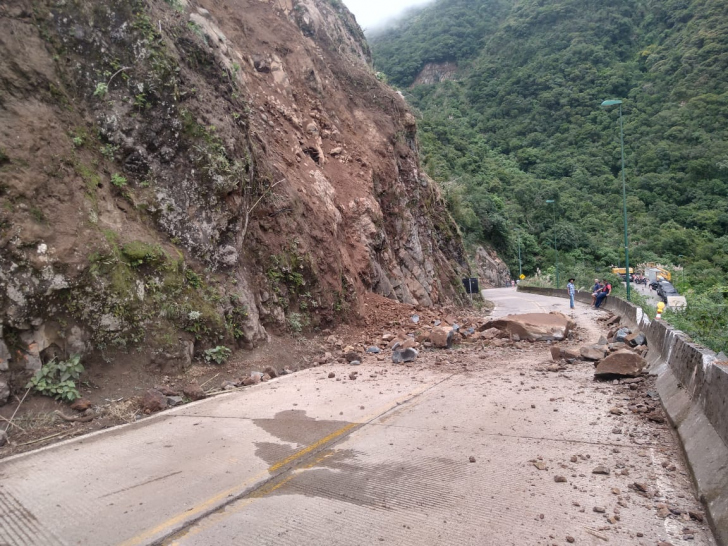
[
  {"x": 82, "y": 404},
  {"x": 352, "y": 376},
  {"x": 599, "y": 509},
  {"x": 574, "y": 458},
  {"x": 540, "y": 465},
  {"x": 252, "y": 380},
  {"x": 271, "y": 371},
  {"x": 173, "y": 401},
  {"x": 355, "y": 363},
  {"x": 3, "y": 438},
  {"x": 265, "y": 378},
  {"x": 374, "y": 350},
  {"x": 166, "y": 391},
  {"x": 601, "y": 470},
  {"x": 332, "y": 375},
  {"x": 640, "y": 487},
  {"x": 570, "y": 539},
  {"x": 194, "y": 392},
  {"x": 351, "y": 356},
  {"x": 559, "y": 479},
  {"x": 228, "y": 385},
  {"x": 472, "y": 459},
  {"x": 286, "y": 371},
  {"x": 153, "y": 401}
]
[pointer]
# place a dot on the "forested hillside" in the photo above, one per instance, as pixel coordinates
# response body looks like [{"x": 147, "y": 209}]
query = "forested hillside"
[{"x": 521, "y": 124}]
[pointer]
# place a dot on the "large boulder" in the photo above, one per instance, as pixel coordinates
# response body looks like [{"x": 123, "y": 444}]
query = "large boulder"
[
  {"x": 153, "y": 401},
  {"x": 623, "y": 363},
  {"x": 534, "y": 326},
  {"x": 592, "y": 352},
  {"x": 442, "y": 337},
  {"x": 636, "y": 339}
]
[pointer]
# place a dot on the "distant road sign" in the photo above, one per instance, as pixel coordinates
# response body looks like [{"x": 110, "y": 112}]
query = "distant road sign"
[{"x": 522, "y": 276}]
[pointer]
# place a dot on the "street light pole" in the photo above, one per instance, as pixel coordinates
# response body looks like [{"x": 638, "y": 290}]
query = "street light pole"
[
  {"x": 520, "y": 264},
  {"x": 556, "y": 249},
  {"x": 624, "y": 191}
]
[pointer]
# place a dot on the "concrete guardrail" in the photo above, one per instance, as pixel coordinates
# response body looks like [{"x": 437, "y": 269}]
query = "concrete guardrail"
[{"x": 693, "y": 389}]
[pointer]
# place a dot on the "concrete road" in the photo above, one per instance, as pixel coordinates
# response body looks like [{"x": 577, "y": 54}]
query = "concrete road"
[{"x": 383, "y": 459}]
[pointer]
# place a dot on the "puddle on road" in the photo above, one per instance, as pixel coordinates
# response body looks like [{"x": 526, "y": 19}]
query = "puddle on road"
[{"x": 293, "y": 427}]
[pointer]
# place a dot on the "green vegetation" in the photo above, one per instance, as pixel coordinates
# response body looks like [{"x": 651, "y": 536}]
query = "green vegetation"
[
  {"x": 218, "y": 354},
  {"x": 118, "y": 180},
  {"x": 522, "y": 124},
  {"x": 58, "y": 379}
]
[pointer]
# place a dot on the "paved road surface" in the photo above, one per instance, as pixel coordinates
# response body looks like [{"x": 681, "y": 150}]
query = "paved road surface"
[{"x": 384, "y": 459}]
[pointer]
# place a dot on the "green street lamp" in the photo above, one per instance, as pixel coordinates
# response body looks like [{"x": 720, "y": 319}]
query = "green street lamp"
[
  {"x": 624, "y": 191},
  {"x": 552, "y": 202},
  {"x": 520, "y": 264}
]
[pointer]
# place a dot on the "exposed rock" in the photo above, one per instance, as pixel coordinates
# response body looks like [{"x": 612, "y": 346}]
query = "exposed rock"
[
  {"x": 373, "y": 350},
  {"x": 559, "y": 479},
  {"x": 556, "y": 353},
  {"x": 441, "y": 338},
  {"x": 265, "y": 378},
  {"x": 3, "y": 438},
  {"x": 173, "y": 401},
  {"x": 332, "y": 375},
  {"x": 601, "y": 469},
  {"x": 622, "y": 363},
  {"x": 602, "y": 341},
  {"x": 153, "y": 401},
  {"x": 592, "y": 352},
  {"x": 193, "y": 391},
  {"x": 271, "y": 372},
  {"x": 534, "y": 326}
]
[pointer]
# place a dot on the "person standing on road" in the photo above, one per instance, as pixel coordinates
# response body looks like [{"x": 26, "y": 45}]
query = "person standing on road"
[
  {"x": 572, "y": 292},
  {"x": 603, "y": 294}
]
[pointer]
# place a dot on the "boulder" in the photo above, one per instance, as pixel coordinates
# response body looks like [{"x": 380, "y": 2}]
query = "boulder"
[
  {"x": 614, "y": 320},
  {"x": 271, "y": 371},
  {"x": 153, "y": 401},
  {"x": 534, "y": 326},
  {"x": 194, "y": 392},
  {"x": 636, "y": 339},
  {"x": 406, "y": 355},
  {"x": 592, "y": 352},
  {"x": 622, "y": 363},
  {"x": 571, "y": 353},
  {"x": 621, "y": 335},
  {"x": 442, "y": 337}
]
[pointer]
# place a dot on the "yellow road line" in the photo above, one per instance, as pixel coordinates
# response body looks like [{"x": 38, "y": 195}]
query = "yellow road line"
[{"x": 213, "y": 502}]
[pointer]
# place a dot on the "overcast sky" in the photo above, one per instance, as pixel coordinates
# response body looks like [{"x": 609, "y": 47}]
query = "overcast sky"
[{"x": 371, "y": 13}]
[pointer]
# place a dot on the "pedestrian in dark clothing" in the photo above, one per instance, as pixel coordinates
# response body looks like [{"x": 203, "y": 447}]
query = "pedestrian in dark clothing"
[{"x": 606, "y": 290}]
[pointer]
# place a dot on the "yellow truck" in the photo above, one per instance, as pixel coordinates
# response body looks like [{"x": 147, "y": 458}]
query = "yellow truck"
[
  {"x": 622, "y": 271},
  {"x": 653, "y": 271}
]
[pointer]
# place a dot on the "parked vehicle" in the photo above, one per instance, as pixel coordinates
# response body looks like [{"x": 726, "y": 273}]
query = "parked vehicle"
[{"x": 666, "y": 289}]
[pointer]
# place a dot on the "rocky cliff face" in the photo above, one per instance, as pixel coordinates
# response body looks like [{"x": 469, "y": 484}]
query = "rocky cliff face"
[{"x": 176, "y": 175}]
